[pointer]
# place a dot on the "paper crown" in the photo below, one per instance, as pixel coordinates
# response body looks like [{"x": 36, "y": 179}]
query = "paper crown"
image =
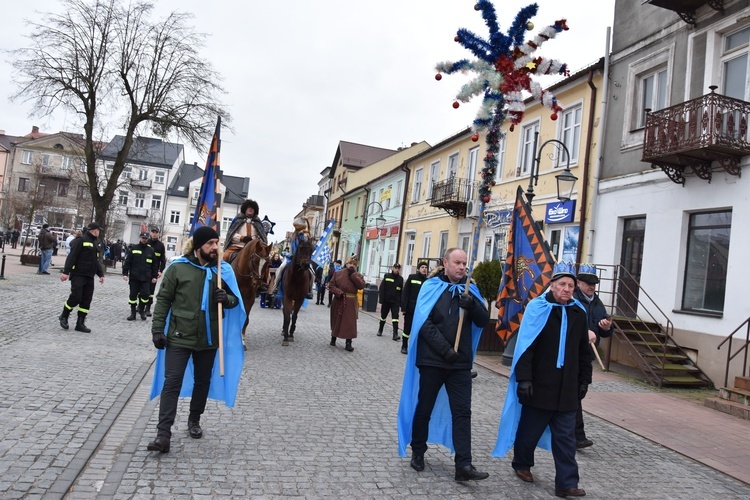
[
  {"x": 587, "y": 273},
  {"x": 563, "y": 269}
]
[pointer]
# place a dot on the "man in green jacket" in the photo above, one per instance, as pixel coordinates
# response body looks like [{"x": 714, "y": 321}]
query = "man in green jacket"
[{"x": 185, "y": 321}]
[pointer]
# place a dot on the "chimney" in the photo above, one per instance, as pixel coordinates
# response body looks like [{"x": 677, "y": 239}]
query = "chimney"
[{"x": 34, "y": 129}]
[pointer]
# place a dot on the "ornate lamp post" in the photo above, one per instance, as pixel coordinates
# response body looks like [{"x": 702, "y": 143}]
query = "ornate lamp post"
[
  {"x": 565, "y": 180},
  {"x": 379, "y": 223}
]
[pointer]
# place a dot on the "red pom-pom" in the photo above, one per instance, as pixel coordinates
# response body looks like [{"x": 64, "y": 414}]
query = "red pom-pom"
[
  {"x": 455, "y": 105},
  {"x": 553, "y": 116},
  {"x": 456, "y": 39},
  {"x": 477, "y": 7},
  {"x": 474, "y": 138},
  {"x": 438, "y": 77},
  {"x": 486, "y": 198},
  {"x": 512, "y": 127}
]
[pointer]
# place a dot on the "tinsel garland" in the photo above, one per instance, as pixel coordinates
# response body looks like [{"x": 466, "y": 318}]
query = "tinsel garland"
[{"x": 504, "y": 68}]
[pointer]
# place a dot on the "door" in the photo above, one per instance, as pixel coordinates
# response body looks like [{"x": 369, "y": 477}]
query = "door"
[{"x": 631, "y": 260}]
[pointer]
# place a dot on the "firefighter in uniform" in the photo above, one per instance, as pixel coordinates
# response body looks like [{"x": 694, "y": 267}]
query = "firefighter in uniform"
[
  {"x": 161, "y": 260},
  {"x": 141, "y": 269},
  {"x": 409, "y": 300},
  {"x": 81, "y": 265},
  {"x": 389, "y": 296}
]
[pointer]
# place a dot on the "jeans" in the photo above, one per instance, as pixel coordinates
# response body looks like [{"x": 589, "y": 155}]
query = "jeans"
[{"x": 46, "y": 259}]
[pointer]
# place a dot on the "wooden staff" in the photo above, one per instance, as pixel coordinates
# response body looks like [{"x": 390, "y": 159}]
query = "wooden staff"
[
  {"x": 598, "y": 358},
  {"x": 220, "y": 306},
  {"x": 461, "y": 314}
]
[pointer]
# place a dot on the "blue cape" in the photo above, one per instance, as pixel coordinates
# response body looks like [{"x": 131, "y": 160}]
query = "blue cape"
[
  {"x": 534, "y": 318},
  {"x": 222, "y": 388},
  {"x": 441, "y": 423}
]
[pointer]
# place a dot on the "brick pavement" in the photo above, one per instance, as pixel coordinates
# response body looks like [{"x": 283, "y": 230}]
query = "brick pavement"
[{"x": 311, "y": 420}]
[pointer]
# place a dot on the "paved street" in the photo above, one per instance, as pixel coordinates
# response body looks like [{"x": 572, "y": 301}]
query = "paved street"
[{"x": 311, "y": 420}]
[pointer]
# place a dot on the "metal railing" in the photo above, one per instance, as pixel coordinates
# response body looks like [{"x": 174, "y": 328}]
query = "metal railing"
[
  {"x": 639, "y": 317},
  {"x": 742, "y": 349},
  {"x": 454, "y": 189}
]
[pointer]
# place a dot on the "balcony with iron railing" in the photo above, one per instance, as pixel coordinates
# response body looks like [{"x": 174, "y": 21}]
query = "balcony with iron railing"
[
  {"x": 699, "y": 136},
  {"x": 452, "y": 195},
  {"x": 137, "y": 211},
  {"x": 141, "y": 183},
  {"x": 686, "y": 8}
]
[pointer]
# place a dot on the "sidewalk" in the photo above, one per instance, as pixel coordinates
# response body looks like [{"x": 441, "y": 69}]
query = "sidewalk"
[
  {"x": 710, "y": 437},
  {"x": 13, "y": 266}
]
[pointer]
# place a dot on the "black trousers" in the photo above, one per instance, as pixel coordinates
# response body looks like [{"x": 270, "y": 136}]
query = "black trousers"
[
  {"x": 408, "y": 317},
  {"x": 321, "y": 293},
  {"x": 151, "y": 290},
  {"x": 81, "y": 293},
  {"x": 390, "y": 307},
  {"x": 175, "y": 362},
  {"x": 561, "y": 424},
  {"x": 139, "y": 288},
  {"x": 580, "y": 432},
  {"x": 458, "y": 386}
]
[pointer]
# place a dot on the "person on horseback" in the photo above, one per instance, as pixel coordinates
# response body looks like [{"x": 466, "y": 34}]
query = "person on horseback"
[
  {"x": 244, "y": 228},
  {"x": 301, "y": 234}
]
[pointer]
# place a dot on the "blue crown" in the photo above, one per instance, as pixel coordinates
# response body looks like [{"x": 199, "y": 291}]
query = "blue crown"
[
  {"x": 586, "y": 269},
  {"x": 564, "y": 269}
]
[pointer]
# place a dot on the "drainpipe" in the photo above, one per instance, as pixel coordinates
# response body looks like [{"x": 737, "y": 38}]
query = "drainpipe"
[
  {"x": 600, "y": 157},
  {"x": 586, "y": 164},
  {"x": 403, "y": 209},
  {"x": 364, "y": 224}
]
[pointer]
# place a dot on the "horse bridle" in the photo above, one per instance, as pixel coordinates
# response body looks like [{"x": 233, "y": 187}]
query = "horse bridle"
[{"x": 253, "y": 275}]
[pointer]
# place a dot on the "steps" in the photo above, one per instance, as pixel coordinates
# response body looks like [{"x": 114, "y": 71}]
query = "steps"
[
  {"x": 660, "y": 359},
  {"x": 734, "y": 401}
]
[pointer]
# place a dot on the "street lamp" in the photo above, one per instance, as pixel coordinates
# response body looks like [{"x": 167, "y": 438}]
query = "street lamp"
[
  {"x": 565, "y": 180},
  {"x": 379, "y": 223}
]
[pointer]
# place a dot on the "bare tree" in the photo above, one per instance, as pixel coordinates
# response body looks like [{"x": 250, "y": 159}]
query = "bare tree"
[{"x": 101, "y": 59}]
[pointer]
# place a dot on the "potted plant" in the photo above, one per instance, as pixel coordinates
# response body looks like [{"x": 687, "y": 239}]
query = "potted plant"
[{"x": 487, "y": 276}]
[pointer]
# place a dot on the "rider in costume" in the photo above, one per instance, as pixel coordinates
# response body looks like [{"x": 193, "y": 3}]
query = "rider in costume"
[
  {"x": 245, "y": 227},
  {"x": 301, "y": 234}
]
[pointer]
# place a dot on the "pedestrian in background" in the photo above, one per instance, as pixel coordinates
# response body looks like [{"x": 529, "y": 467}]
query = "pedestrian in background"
[
  {"x": 81, "y": 265},
  {"x": 600, "y": 327},
  {"x": 320, "y": 289},
  {"x": 47, "y": 241},
  {"x": 161, "y": 262},
  {"x": 434, "y": 363},
  {"x": 389, "y": 296},
  {"x": 344, "y": 286},
  {"x": 551, "y": 372},
  {"x": 336, "y": 266},
  {"x": 186, "y": 325},
  {"x": 409, "y": 301},
  {"x": 140, "y": 269}
]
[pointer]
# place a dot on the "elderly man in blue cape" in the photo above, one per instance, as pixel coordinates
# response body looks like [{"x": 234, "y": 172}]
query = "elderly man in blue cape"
[
  {"x": 186, "y": 323},
  {"x": 551, "y": 369},
  {"x": 435, "y": 401}
]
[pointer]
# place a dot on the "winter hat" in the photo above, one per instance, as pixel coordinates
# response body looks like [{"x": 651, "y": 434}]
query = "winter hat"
[{"x": 202, "y": 235}]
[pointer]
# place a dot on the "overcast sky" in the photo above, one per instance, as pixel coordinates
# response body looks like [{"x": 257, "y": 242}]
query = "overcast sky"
[{"x": 302, "y": 75}]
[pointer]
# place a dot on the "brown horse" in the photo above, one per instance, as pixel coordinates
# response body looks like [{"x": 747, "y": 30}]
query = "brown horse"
[
  {"x": 296, "y": 284},
  {"x": 249, "y": 269}
]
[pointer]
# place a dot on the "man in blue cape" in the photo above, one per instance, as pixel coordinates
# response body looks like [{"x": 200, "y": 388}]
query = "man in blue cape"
[
  {"x": 551, "y": 369},
  {"x": 435, "y": 403},
  {"x": 185, "y": 321}
]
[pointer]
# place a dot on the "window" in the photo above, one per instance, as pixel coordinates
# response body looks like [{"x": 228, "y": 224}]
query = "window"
[
  {"x": 174, "y": 217},
  {"x": 82, "y": 192},
  {"x": 142, "y": 174},
  {"x": 570, "y": 135},
  {"x": 415, "y": 195},
  {"x": 127, "y": 173},
  {"x": 45, "y": 160},
  {"x": 159, "y": 177},
  {"x": 67, "y": 163},
  {"x": 410, "y": 249},
  {"x": 356, "y": 210},
  {"x": 171, "y": 243},
  {"x": 123, "y": 198},
  {"x": 706, "y": 261},
  {"x": 399, "y": 193},
  {"x": 140, "y": 200},
  {"x": 527, "y": 149},
  {"x": 652, "y": 93},
  {"x": 426, "y": 240},
  {"x": 434, "y": 173},
  {"x": 501, "y": 144},
  {"x": 346, "y": 213},
  {"x": 23, "y": 185},
  {"x": 452, "y": 166},
  {"x": 192, "y": 216},
  {"x": 62, "y": 189},
  {"x": 388, "y": 195},
  {"x": 82, "y": 166},
  {"x": 108, "y": 166},
  {"x": 156, "y": 201},
  {"x": 735, "y": 62},
  {"x": 196, "y": 193},
  {"x": 225, "y": 223},
  {"x": 26, "y": 160},
  {"x": 464, "y": 245},
  {"x": 443, "y": 243}
]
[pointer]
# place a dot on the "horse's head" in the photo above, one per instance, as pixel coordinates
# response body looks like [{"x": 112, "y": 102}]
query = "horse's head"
[{"x": 304, "y": 253}]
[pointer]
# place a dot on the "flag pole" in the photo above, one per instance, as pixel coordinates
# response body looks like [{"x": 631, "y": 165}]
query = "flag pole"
[
  {"x": 598, "y": 358},
  {"x": 220, "y": 308},
  {"x": 473, "y": 260}
]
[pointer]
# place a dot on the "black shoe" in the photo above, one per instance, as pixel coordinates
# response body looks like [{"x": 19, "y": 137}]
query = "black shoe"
[
  {"x": 395, "y": 336},
  {"x": 417, "y": 463},
  {"x": 348, "y": 346},
  {"x": 44, "y": 272},
  {"x": 194, "y": 428},
  {"x": 584, "y": 443},
  {"x": 63, "y": 321},
  {"x": 470, "y": 473},
  {"x": 570, "y": 492},
  {"x": 143, "y": 314},
  {"x": 309, "y": 296},
  {"x": 474, "y": 374},
  {"x": 161, "y": 443},
  {"x": 132, "y": 316},
  {"x": 81, "y": 327},
  {"x": 404, "y": 350},
  {"x": 148, "y": 310},
  {"x": 333, "y": 341}
]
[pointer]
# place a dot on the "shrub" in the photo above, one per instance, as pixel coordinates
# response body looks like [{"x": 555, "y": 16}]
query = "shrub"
[{"x": 487, "y": 276}]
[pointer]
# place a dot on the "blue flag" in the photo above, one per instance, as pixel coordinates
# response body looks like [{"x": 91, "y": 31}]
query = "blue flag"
[
  {"x": 320, "y": 248},
  {"x": 209, "y": 198}
]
